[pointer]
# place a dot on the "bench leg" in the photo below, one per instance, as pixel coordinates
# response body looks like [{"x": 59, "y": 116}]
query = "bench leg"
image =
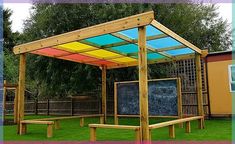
[
  {"x": 101, "y": 120},
  {"x": 81, "y": 121},
  {"x": 188, "y": 127},
  {"x": 201, "y": 123},
  {"x": 181, "y": 125},
  {"x": 116, "y": 120},
  {"x": 172, "y": 131},
  {"x": 150, "y": 134},
  {"x": 57, "y": 124},
  {"x": 49, "y": 130},
  {"x": 137, "y": 136},
  {"x": 92, "y": 134},
  {"x": 23, "y": 128}
]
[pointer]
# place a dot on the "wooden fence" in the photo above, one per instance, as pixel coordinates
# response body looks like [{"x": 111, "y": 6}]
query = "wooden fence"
[{"x": 184, "y": 69}]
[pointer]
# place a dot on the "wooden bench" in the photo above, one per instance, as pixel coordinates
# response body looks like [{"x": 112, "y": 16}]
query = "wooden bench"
[
  {"x": 171, "y": 124},
  {"x": 81, "y": 117},
  {"x": 94, "y": 126},
  {"x": 23, "y": 126}
]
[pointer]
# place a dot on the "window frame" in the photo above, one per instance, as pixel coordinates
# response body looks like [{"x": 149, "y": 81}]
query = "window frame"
[{"x": 230, "y": 77}]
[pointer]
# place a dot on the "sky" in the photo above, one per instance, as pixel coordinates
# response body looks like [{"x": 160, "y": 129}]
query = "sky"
[{"x": 21, "y": 11}]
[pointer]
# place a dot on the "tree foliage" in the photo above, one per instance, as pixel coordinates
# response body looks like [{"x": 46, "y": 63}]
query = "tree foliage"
[
  {"x": 200, "y": 24},
  {"x": 10, "y": 60}
]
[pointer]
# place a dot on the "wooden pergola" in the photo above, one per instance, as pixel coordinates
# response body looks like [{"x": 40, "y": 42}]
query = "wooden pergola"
[{"x": 132, "y": 41}]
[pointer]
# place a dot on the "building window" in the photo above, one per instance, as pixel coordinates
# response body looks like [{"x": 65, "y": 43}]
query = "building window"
[{"x": 232, "y": 77}]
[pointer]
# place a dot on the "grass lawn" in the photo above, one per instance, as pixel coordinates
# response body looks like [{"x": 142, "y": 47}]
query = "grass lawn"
[{"x": 216, "y": 130}]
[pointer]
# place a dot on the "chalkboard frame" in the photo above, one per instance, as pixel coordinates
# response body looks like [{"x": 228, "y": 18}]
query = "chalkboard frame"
[{"x": 179, "y": 99}]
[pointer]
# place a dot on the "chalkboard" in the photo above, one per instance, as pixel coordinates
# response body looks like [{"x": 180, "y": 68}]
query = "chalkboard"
[{"x": 162, "y": 95}]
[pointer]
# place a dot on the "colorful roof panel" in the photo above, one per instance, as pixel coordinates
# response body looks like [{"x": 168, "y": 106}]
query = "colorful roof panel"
[{"x": 111, "y": 50}]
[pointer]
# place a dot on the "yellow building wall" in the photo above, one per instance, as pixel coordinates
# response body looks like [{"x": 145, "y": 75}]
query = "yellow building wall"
[{"x": 219, "y": 89}]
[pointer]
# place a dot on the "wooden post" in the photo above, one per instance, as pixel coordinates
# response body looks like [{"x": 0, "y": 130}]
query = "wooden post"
[
  {"x": 92, "y": 134},
  {"x": 49, "y": 130},
  {"x": 81, "y": 121},
  {"x": 104, "y": 68},
  {"x": 199, "y": 84},
  {"x": 137, "y": 136},
  {"x": 143, "y": 84},
  {"x": 21, "y": 91},
  {"x": 36, "y": 106},
  {"x": 115, "y": 104},
  {"x": 72, "y": 106},
  {"x": 201, "y": 124},
  {"x": 188, "y": 127},
  {"x": 16, "y": 105},
  {"x": 179, "y": 99},
  {"x": 172, "y": 131},
  {"x": 48, "y": 106},
  {"x": 4, "y": 99},
  {"x": 57, "y": 124},
  {"x": 150, "y": 135},
  {"x": 23, "y": 128}
]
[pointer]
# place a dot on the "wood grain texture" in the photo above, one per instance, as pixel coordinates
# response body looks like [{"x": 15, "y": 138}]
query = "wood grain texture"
[{"x": 143, "y": 84}]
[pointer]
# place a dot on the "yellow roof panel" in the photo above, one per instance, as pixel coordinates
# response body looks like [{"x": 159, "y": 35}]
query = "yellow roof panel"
[
  {"x": 101, "y": 54},
  {"x": 76, "y": 46},
  {"x": 124, "y": 60}
]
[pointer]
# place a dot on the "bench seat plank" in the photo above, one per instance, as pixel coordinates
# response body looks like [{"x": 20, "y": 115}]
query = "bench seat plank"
[
  {"x": 114, "y": 126},
  {"x": 164, "y": 124}
]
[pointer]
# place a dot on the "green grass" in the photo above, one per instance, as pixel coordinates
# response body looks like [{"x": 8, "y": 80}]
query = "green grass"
[{"x": 216, "y": 129}]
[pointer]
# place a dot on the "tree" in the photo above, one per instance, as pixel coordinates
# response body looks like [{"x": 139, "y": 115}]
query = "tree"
[
  {"x": 10, "y": 60},
  {"x": 197, "y": 23}
]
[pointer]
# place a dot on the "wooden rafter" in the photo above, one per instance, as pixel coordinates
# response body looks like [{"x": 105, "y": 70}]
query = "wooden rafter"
[
  {"x": 175, "y": 36},
  {"x": 176, "y": 58},
  {"x": 105, "y": 28}
]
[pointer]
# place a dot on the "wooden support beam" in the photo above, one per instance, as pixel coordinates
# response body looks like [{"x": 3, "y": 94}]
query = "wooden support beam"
[
  {"x": 16, "y": 106},
  {"x": 176, "y": 58},
  {"x": 161, "y": 53},
  {"x": 199, "y": 84},
  {"x": 104, "y": 104},
  {"x": 179, "y": 99},
  {"x": 115, "y": 104},
  {"x": 4, "y": 100},
  {"x": 105, "y": 28},
  {"x": 143, "y": 84},
  {"x": 137, "y": 135},
  {"x": 175, "y": 36},
  {"x": 23, "y": 128},
  {"x": 22, "y": 68}
]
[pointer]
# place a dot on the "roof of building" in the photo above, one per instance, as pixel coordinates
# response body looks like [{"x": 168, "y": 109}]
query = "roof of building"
[{"x": 115, "y": 44}]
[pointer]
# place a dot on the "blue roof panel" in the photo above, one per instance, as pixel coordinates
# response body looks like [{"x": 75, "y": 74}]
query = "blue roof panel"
[
  {"x": 133, "y": 33},
  {"x": 163, "y": 43},
  {"x": 152, "y": 56},
  {"x": 129, "y": 48},
  {"x": 104, "y": 39},
  {"x": 180, "y": 51}
]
